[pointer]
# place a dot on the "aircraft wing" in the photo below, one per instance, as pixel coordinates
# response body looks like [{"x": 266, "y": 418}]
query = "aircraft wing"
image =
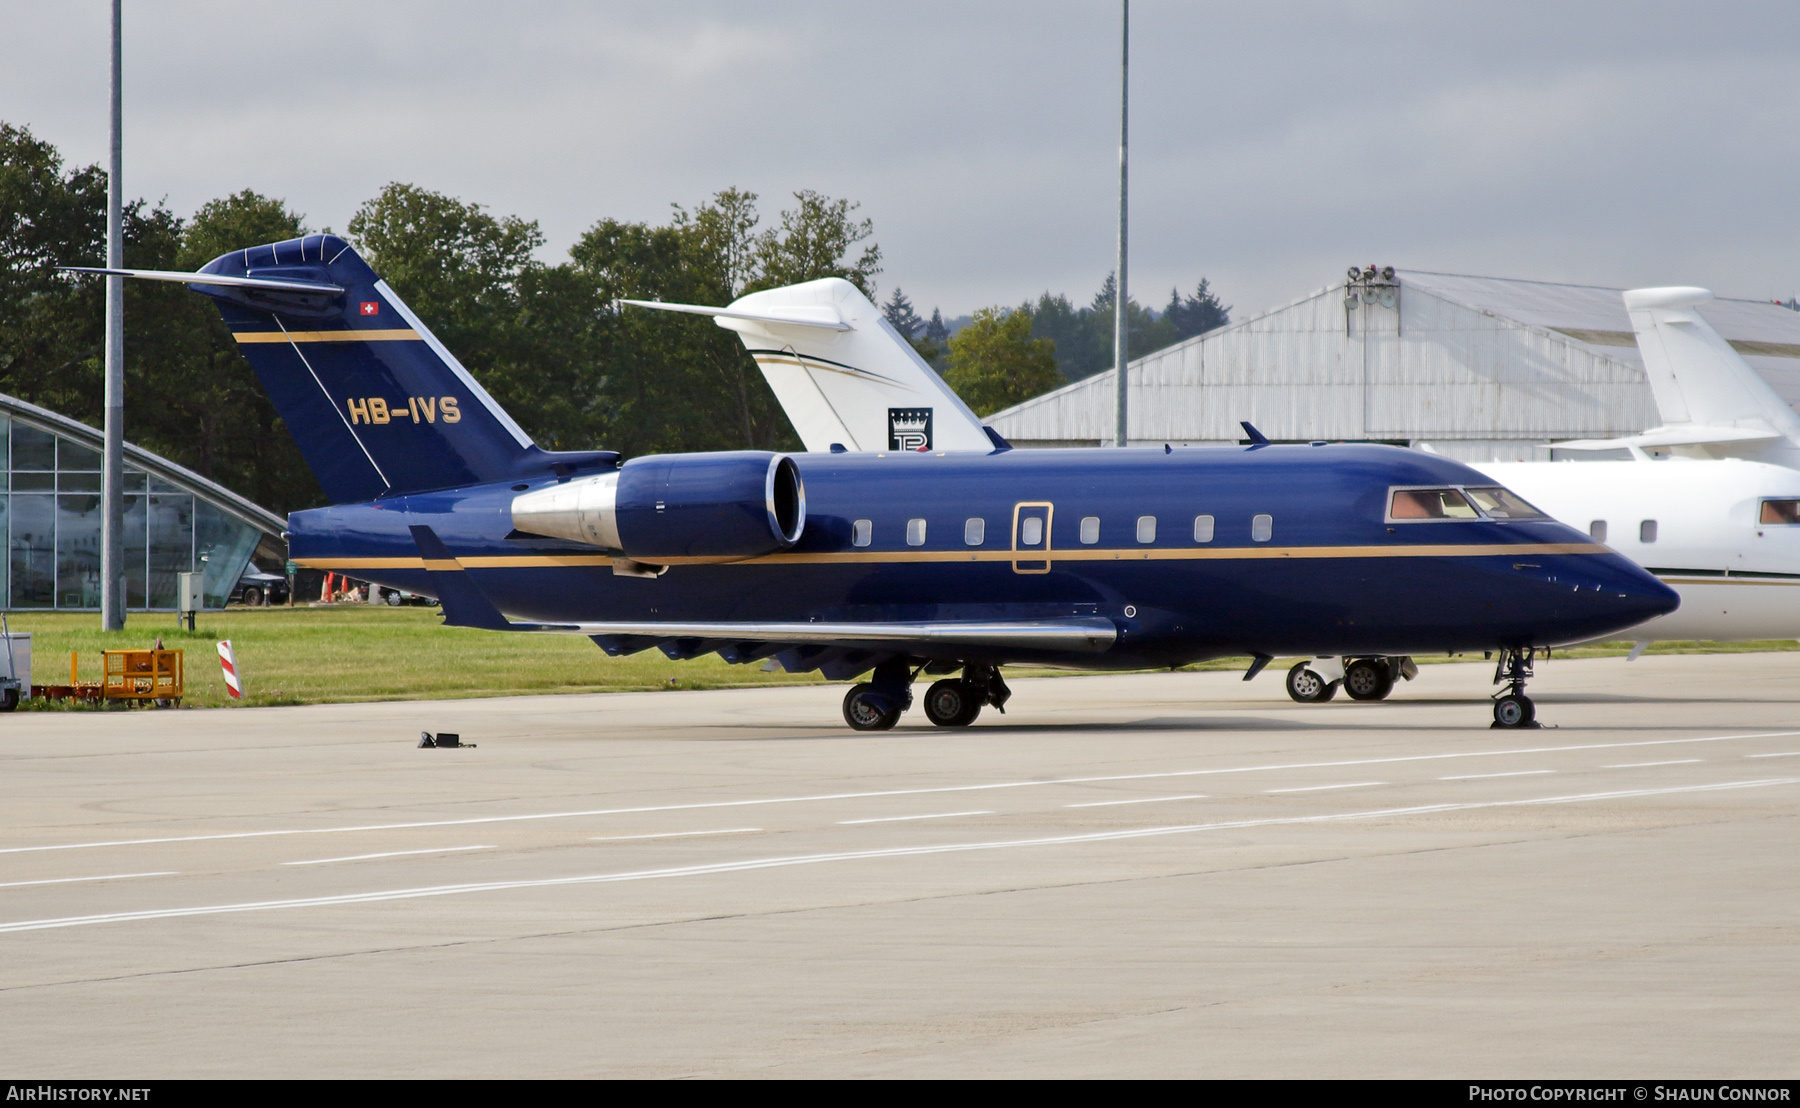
[{"x": 1085, "y": 634}]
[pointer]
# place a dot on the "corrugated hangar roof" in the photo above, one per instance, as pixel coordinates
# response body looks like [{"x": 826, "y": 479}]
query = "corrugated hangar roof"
[
  {"x": 1765, "y": 333},
  {"x": 1454, "y": 358}
]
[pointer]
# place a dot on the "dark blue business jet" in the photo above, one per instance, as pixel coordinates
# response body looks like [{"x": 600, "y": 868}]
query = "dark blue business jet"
[{"x": 892, "y": 564}]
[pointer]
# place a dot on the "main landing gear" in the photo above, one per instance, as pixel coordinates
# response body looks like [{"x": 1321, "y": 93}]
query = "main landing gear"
[
  {"x": 1512, "y": 708},
  {"x": 877, "y": 704},
  {"x": 1370, "y": 678}
]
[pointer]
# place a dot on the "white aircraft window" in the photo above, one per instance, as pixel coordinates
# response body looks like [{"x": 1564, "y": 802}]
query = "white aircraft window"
[
  {"x": 861, "y": 531},
  {"x": 974, "y": 530},
  {"x": 1203, "y": 528},
  {"x": 1031, "y": 531},
  {"x": 1597, "y": 530},
  {"x": 1780, "y": 511},
  {"x": 1647, "y": 531},
  {"x": 1146, "y": 529},
  {"x": 915, "y": 532},
  {"x": 1261, "y": 528},
  {"x": 1430, "y": 504},
  {"x": 1498, "y": 503},
  {"x": 1090, "y": 529}
]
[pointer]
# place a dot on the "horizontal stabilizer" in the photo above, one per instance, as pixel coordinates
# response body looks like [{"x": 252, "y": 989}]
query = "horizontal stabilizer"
[
  {"x": 274, "y": 284},
  {"x": 1691, "y": 434},
  {"x": 798, "y": 316}
]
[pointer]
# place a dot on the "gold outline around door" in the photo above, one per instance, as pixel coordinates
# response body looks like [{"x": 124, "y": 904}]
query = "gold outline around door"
[{"x": 1049, "y": 515}]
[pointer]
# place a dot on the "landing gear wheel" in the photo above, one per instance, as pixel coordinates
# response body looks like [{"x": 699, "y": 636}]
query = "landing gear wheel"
[
  {"x": 1368, "y": 679},
  {"x": 1308, "y": 687},
  {"x": 1514, "y": 710},
  {"x": 952, "y": 703},
  {"x": 863, "y": 716}
]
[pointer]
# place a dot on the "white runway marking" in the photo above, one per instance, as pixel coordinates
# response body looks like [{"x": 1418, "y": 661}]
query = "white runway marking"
[
  {"x": 1484, "y": 776},
  {"x": 71, "y": 880},
  {"x": 691, "y": 807},
  {"x": 1642, "y": 765},
  {"x": 854, "y": 855},
  {"x": 1777, "y": 754},
  {"x": 389, "y": 854},
  {"x": 904, "y": 819},
  {"x": 1139, "y": 800},
  {"x": 1322, "y": 788},
  {"x": 671, "y": 835}
]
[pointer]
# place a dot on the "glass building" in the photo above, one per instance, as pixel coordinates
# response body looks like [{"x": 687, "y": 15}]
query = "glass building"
[{"x": 175, "y": 520}]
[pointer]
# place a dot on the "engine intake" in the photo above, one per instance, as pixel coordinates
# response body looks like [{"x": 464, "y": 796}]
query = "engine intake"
[{"x": 721, "y": 507}]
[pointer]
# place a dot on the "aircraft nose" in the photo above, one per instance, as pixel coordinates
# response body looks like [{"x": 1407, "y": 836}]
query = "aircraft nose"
[{"x": 1633, "y": 595}]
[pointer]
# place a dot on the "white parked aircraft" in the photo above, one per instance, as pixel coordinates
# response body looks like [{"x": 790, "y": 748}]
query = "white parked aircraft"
[{"x": 1715, "y": 515}]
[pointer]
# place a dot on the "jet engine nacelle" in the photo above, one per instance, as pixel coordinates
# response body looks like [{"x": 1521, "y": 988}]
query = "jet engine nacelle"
[{"x": 713, "y": 507}]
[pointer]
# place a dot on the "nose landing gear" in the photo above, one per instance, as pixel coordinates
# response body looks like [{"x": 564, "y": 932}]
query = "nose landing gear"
[{"x": 1512, "y": 708}]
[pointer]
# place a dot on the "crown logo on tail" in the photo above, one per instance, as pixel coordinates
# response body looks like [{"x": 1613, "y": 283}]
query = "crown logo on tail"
[{"x": 909, "y": 428}]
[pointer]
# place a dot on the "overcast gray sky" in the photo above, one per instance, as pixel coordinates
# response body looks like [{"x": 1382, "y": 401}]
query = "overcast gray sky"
[{"x": 1272, "y": 143}]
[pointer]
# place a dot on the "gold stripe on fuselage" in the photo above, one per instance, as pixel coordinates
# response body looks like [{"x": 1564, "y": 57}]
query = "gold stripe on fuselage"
[
  {"x": 879, "y": 557},
  {"x": 404, "y": 334}
]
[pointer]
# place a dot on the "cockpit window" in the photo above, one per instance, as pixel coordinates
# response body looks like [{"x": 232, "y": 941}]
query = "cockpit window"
[
  {"x": 1457, "y": 502},
  {"x": 1430, "y": 504},
  {"x": 1499, "y": 503},
  {"x": 1780, "y": 511}
]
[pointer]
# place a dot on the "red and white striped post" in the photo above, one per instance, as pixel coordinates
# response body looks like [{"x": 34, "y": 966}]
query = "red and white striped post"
[{"x": 229, "y": 664}]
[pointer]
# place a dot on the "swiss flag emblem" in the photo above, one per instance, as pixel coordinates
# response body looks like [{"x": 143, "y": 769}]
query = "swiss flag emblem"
[{"x": 371, "y": 307}]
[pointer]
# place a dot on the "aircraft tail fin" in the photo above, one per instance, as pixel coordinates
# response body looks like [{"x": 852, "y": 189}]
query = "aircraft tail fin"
[
  {"x": 842, "y": 373},
  {"x": 1699, "y": 381},
  {"x": 376, "y": 403}
]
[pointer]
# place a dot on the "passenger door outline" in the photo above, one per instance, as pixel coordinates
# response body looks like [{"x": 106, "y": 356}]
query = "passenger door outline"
[{"x": 1028, "y": 510}]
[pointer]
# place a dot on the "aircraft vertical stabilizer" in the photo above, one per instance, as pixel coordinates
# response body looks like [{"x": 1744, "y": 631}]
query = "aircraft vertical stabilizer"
[
  {"x": 841, "y": 372},
  {"x": 1707, "y": 394}
]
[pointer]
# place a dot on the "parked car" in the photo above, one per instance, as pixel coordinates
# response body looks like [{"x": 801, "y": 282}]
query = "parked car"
[{"x": 255, "y": 586}]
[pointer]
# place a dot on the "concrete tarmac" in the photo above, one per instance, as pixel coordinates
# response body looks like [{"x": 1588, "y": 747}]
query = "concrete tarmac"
[{"x": 1144, "y": 875}]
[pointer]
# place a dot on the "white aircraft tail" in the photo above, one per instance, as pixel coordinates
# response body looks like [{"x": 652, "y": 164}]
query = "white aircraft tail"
[
  {"x": 841, "y": 372},
  {"x": 1706, "y": 393}
]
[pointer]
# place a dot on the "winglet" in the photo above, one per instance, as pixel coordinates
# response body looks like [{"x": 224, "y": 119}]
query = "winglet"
[
  {"x": 464, "y": 605},
  {"x": 1255, "y": 436}
]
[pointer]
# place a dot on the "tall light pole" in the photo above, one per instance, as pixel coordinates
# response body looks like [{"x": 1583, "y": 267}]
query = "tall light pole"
[
  {"x": 112, "y": 472},
  {"x": 1119, "y": 319}
]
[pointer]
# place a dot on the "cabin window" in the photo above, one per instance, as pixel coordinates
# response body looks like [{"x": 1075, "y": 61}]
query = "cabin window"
[
  {"x": 1261, "y": 528},
  {"x": 1146, "y": 531},
  {"x": 1597, "y": 530},
  {"x": 1780, "y": 511},
  {"x": 915, "y": 532},
  {"x": 1203, "y": 528},
  {"x": 861, "y": 532},
  {"x": 1408, "y": 504},
  {"x": 1498, "y": 503},
  {"x": 1090, "y": 529},
  {"x": 974, "y": 530},
  {"x": 1031, "y": 530},
  {"x": 1647, "y": 531}
]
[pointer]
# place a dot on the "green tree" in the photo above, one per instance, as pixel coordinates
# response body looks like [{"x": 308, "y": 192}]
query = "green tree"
[
  {"x": 995, "y": 363},
  {"x": 1193, "y": 315},
  {"x": 814, "y": 241}
]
